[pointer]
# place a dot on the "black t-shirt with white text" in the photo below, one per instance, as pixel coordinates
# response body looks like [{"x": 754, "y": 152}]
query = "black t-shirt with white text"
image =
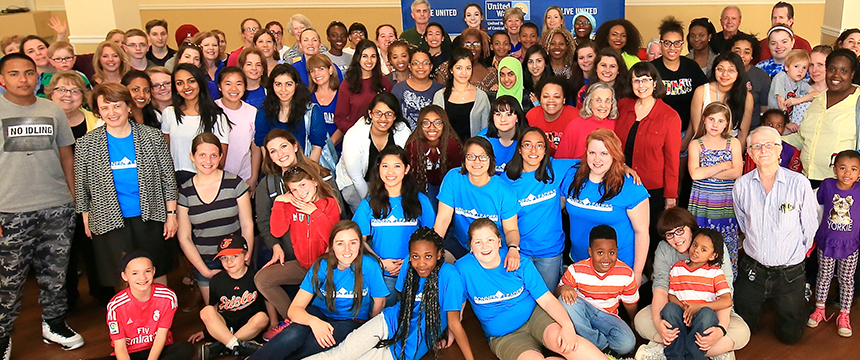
[
  {"x": 680, "y": 86},
  {"x": 237, "y": 300}
]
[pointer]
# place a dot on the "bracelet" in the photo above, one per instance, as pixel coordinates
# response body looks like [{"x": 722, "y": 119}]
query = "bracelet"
[
  {"x": 721, "y": 328},
  {"x": 171, "y": 212}
]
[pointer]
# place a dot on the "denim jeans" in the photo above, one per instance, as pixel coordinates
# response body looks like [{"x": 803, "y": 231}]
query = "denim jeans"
[
  {"x": 549, "y": 269},
  {"x": 684, "y": 346},
  {"x": 390, "y": 282},
  {"x": 432, "y": 194},
  {"x": 600, "y": 327},
  {"x": 297, "y": 341}
]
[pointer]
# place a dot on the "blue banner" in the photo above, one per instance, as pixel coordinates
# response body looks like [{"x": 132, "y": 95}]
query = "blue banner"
[{"x": 449, "y": 13}]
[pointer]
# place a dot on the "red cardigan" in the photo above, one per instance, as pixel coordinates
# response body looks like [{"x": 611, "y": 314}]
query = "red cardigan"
[
  {"x": 658, "y": 144},
  {"x": 351, "y": 107},
  {"x": 309, "y": 234}
]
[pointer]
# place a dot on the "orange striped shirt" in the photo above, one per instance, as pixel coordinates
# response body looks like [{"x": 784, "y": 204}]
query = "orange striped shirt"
[
  {"x": 603, "y": 291},
  {"x": 697, "y": 286}
]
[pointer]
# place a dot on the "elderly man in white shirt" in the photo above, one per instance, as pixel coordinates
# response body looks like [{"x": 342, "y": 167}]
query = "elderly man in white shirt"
[{"x": 778, "y": 213}]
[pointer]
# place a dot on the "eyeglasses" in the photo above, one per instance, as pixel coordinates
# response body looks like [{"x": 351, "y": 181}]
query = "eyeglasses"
[
  {"x": 63, "y": 59},
  {"x": 642, "y": 81},
  {"x": 582, "y": 22},
  {"x": 678, "y": 231},
  {"x": 538, "y": 146},
  {"x": 481, "y": 158},
  {"x": 250, "y": 29},
  {"x": 165, "y": 85},
  {"x": 767, "y": 145},
  {"x": 73, "y": 92},
  {"x": 426, "y": 124},
  {"x": 668, "y": 43},
  {"x": 378, "y": 114},
  {"x": 423, "y": 63},
  {"x": 472, "y": 44},
  {"x": 276, "y": 33},
  {"x": 357, "y": 33}
]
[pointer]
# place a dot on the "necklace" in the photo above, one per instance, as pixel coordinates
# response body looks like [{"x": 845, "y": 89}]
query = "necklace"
[{"x": 464, "y": 92}]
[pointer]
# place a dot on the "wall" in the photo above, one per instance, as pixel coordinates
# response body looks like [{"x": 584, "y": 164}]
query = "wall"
[{"x": 226, "y": 14}]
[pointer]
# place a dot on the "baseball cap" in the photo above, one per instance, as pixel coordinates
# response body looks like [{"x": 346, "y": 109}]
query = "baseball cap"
[
  {"x": 185, "y": 31},
  {"x": 232, "y": 245}
]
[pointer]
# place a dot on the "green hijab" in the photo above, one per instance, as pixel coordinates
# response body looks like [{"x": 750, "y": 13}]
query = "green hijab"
[{"x": 514, "y": 65}]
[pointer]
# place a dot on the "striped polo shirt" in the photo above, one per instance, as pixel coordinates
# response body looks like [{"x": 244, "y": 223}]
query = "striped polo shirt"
[
  {"x": 214, "y": 221},
  {"x": 697, "y": 286},
  {"x": 603, "y": 291}
]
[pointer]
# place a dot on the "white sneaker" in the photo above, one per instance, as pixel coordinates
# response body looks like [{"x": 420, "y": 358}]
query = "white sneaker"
[
  {"x": 58, "y": 332},
  {"x": 651, "y": 351},
  {"x": 725, "y": 356}
]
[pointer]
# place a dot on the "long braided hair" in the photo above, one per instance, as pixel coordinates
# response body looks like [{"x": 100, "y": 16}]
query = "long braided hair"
[{"x": 429, "y": 301}]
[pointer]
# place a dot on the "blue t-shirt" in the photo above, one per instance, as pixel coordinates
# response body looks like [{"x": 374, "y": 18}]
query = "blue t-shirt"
[
  {"x": 495, "y": 200},
  {"x": 328, "y": 114},
  {"x": 450, "y": 299},
  {"x": 771, "y": 67},
  {"x": 503, "y": 301},
  {"x": 390, "y": 236},
  {"x": 586, "y": 213},
  {"x": 256, "y": 97},
  {"x": 503, "y": 154},
  {"x": 344, "y": 282},
  {"x": 316, "y": 133},
  {"x": 539, "y": 219},
  {"x": 412, "y": 101},
  {"x": 123, "y": 165}
]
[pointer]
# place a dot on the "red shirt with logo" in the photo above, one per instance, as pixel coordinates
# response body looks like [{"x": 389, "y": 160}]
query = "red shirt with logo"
[{"x": 138, "y": 321}]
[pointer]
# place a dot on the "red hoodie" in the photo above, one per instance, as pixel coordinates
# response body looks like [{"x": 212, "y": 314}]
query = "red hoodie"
[{"x": 308, "y": 233}]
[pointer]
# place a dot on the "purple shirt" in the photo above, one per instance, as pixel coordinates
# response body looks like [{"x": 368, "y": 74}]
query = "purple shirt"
[{"x": 837, "y": 236}]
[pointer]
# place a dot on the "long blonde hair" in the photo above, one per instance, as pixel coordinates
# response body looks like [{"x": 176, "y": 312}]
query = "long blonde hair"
[{"x": 124, "y": 65}]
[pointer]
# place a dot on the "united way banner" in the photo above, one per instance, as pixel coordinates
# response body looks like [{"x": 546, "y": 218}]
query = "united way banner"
[{"x": 449, "y": 13}]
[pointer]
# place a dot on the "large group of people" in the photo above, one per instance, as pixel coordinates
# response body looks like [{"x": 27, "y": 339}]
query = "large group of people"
[{"x": 532, "y": 172}]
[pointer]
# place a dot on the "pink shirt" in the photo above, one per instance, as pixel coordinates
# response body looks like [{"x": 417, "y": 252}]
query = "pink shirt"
[
  {"x": 238, "y": 159},
  {"x": 572, "y": 145}
]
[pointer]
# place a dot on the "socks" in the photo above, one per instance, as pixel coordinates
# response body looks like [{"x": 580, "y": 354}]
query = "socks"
[{"x": 232, "y": 343}]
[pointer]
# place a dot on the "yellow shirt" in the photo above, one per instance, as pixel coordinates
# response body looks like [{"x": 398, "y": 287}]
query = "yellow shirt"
[{"x": 825, "y": 132}]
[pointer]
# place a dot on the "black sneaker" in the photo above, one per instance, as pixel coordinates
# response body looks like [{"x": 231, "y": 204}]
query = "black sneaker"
[
  {"x": 246, "y": 348},
  {"x": 211, "y": 350},
  {"x": 6, "y": 347},
  {"x": 56, "y": 331}
]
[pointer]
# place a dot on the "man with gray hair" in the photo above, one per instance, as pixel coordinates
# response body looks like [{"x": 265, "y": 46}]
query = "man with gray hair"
[
  {"x": 730, "y": 20},
  {"x": 415, "y": 36},
  {"x": 778, "y": 213}
]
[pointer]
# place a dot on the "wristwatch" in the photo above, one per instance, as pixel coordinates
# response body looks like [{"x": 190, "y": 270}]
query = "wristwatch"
[{"x": 514, "y": 247}]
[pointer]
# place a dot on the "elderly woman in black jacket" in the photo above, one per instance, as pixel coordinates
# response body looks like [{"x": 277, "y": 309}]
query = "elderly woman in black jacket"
[{"x": 125, "y": 187}]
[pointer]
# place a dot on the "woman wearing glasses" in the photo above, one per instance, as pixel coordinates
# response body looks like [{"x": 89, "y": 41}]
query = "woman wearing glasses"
[
  {"x": 677, "y": 226},
  {"x": 472, "y": 192},
  {"x": 828, "y": 125},
  {"x": 417, "y": 91},
  {"x": 382, "y": 125}
]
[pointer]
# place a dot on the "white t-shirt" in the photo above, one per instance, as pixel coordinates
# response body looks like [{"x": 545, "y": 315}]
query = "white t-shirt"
[
  {"x": 182, "y": 134},
  {"x": 241, "y": 136}
]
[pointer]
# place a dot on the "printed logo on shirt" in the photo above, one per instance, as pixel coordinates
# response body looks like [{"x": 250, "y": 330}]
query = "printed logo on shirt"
[
  {"x": 678, "y": 86},
  {"x": 129, "y": 322},
  {"x": 343, "y": 293},
  {"x": 28, "y": 134},
  {"x": 114, "y": 327},
  {"x": 393, "y": 221},
  {"x": 299, "y": 217},
  {"x": 125, "y": 163},
  {"x": 329, "y": 118},
  {"x": 532, "y": 199},
  {"x": 155, "y": 315},
  {"x": 236, "y": 303},
  {"x": 474, "y": 214},
  {"x": 587, "y": 204},
  {"x": 411, "y": 100},
  {"x": 840, "y": 215},
  {"x": 143, "y": 337},
  {"x": 498, "y": 296},
  {"x": 500, "y": 168}
]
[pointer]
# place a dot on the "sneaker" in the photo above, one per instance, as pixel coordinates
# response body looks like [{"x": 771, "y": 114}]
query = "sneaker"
[
  {"x": 6, "y": 347},
  {"x": 807, "y": 293},
  {"x": 58, "y": 332},
  {"x": 211, "y": 350},
  {"x": 246, "y": 348},
  {"x": 843, "y": 323},
  {"x": 817, "y": 317},
  {"x": 725, "y": 356},
  {"x": 268, "y": 335},
  {"x": 651, "y": 351}
]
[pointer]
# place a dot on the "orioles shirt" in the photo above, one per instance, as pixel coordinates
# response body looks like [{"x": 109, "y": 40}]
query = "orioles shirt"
[
  {"x": 237, "y": 300},
  {"x": 138, "y": 321}
]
